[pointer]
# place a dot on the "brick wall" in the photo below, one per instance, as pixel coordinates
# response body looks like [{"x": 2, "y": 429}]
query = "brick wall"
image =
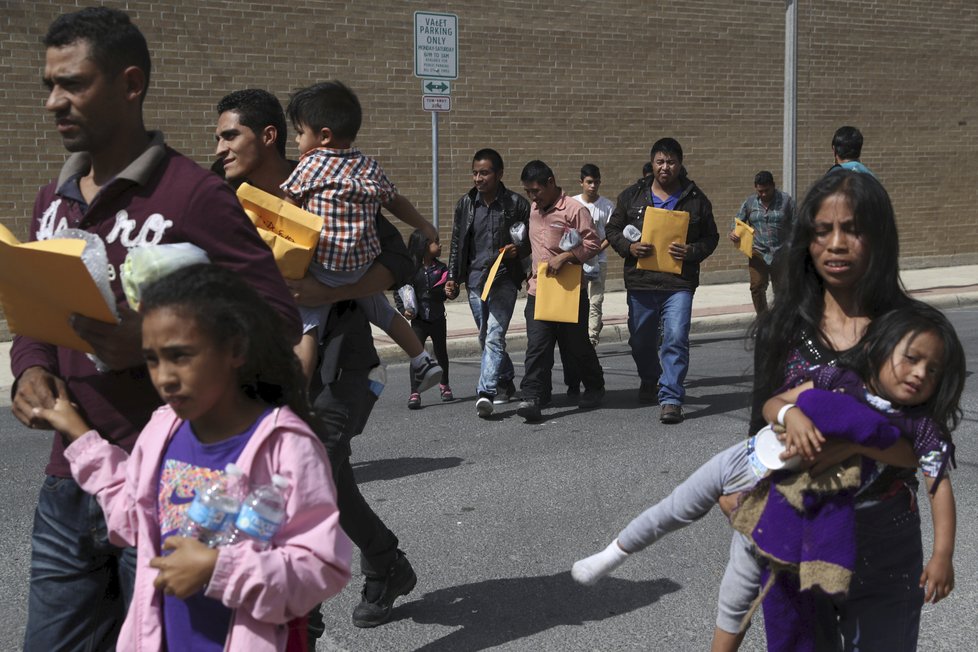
[{"x": 569, "y": 83}]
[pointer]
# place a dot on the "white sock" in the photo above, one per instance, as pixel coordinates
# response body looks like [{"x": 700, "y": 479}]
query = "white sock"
[{"x": 591, "y": 569}]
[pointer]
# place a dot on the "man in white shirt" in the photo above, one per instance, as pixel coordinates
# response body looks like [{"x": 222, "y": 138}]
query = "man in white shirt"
[{"x": 597, "y": 269}]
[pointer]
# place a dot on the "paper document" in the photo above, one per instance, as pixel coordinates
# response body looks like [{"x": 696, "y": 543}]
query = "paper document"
[
  {"x": 42, "y": 284},
  {"x": 660, "y": 229},
  {"x": 289, "y": 231},
  {"x": 492, "y": 276},
  {"x": 746, "y": 233},
  {"x": 558, "y": 297}
]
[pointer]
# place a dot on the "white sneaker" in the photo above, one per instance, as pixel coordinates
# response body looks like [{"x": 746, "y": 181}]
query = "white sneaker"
[{"x": 483, "y": 406}]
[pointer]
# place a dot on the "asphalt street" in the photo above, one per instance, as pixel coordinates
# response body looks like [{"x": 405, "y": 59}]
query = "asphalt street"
[{"x": 492, "y": 513}]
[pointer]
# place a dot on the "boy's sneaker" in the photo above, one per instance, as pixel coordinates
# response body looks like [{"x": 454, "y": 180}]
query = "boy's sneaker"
[
  {"x": 483, "y": 407},
  {"x": 505, "y": 394},
  {"x": 425, "y": 373},
  {"x": 529, "y": 409},
  {"x": 379, "y": 593},
  {"x": 446, "y": 393},
  {"x": 414, "y": 401}
]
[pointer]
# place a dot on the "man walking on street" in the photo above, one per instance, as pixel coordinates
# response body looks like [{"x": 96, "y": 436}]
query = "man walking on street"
[
  {"x": 600, "y": 209},
  {"x": 125, "y": 186},
  {"x": 655, "y": 296},
  {"x": 483, "y": 227},
  {"x": 847, "y": 147},
  {"x": 769, "y": 212},
  {"x": 251, "y": 134},
  {"x": 552, "y": 215}
]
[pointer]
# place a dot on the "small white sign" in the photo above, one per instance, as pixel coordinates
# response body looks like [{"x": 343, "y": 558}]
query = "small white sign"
[
  {"x": 438, "y": 103},
  {"x": 435, "y": 87},
  {"x": 435, "y": 45}
]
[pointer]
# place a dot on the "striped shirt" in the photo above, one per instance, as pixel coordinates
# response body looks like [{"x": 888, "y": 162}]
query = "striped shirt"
[{"x": 346, "y": 189}]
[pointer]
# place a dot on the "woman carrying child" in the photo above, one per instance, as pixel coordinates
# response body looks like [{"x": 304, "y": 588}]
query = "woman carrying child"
[
  {"x": 841, "y": 272},
  {"x": 233, "y": 392},
  {"x": 428, "y": 314}
]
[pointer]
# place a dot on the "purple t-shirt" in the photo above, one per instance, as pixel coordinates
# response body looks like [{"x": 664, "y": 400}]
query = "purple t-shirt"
[{"x": 198, "y": 623}]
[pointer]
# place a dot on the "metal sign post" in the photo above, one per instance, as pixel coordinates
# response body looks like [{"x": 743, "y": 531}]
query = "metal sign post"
[{"x": 435, "y": 60}]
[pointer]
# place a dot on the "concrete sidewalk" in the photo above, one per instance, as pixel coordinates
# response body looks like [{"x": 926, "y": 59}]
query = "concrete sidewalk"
[
  {"x": 718, "y": 307},
  {"x": 715, "y": 308}
]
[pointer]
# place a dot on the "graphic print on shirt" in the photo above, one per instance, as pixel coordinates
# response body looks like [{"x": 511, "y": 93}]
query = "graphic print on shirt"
[
  {"x": 126, "y": 231},
  {"x": 179, "y": 483}
]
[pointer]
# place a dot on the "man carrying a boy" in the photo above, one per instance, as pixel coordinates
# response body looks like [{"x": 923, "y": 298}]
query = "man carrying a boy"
[
  {"x": 251, "y": 134},
  {"x": 769, "y": 212},
  {"x": 552, "y": 215},
  {"x": 484, "y": 223},
  {"x": 124, "y": 185}
]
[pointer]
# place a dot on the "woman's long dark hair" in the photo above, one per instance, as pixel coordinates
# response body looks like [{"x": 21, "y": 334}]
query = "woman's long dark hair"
[
  {"x": 884, "y": 335},
  {"x": 229, "y": 310},
  {"x": 799, "y": 305}
]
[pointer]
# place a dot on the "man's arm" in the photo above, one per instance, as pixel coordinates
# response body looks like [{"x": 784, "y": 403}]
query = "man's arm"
[
  {"x": 392, "y": 267},
  {"x": 617, "y": 222},
  {"x": 700, "y": 250},
  {"x": 216, "y": 223}
]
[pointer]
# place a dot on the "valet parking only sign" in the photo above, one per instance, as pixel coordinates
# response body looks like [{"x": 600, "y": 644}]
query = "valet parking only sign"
[{"x": 435, "y": 45}]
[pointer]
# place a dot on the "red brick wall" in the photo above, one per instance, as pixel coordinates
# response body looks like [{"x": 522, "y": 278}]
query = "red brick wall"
[{"x": 569, "y": 83}]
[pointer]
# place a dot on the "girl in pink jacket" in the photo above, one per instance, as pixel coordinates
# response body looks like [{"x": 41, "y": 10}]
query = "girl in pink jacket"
[{"x": 233, "y": 392}]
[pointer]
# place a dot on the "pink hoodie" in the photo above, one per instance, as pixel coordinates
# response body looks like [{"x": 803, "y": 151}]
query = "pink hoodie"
[{"x": 308, "y": 563}]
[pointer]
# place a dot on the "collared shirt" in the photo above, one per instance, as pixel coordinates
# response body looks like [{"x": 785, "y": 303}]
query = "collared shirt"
[
  {"x": 346, "y": 189},
  {"x": 487, "y": 220},
  {"x": 547, "y": 228},
  {"x": 770, "y": 224}
]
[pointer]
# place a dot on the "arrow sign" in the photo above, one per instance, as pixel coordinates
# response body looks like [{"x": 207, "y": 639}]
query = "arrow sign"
[{"x": 435, "y": 87}]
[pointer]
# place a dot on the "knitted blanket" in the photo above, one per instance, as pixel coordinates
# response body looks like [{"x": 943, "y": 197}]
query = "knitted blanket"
[{"x": 803, "y": 525}]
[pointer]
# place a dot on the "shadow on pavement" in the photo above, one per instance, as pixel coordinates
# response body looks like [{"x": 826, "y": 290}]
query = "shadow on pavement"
[
  {"x": 496, "y": 612},
  {"x": 402, "y": 467}
]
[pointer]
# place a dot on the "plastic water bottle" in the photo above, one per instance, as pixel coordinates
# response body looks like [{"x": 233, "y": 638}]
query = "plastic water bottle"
[
  {"x": 214, "y": 510},
  {"x": 262, "y": 514},
  {"x": 376, "y": 380}
]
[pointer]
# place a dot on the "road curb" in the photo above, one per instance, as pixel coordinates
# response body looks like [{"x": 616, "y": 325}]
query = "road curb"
[{"x": 468, "y": 346}]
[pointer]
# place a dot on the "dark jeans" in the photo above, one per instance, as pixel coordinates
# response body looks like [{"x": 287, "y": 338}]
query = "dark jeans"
[
  {"x": 437, "y": 331},
  {"x": 882, "y": 611},
  {"x": 576, "y": 351},
  {"x": 81, "y": 585},
  {"x": 343, "y": 407}
]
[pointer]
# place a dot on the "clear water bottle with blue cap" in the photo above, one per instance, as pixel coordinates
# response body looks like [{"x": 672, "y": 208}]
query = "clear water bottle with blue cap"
[{"x": 262, "y": 514}]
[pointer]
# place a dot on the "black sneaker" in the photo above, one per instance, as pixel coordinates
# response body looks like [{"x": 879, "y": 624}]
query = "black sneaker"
[
  {"x": 591, "y": 398},
  {"x": 573, "y": 391},
  {"x": 529, "y": 409},
  {"x": 379, "y": 593},
  {"x": 425, "y": 374}
]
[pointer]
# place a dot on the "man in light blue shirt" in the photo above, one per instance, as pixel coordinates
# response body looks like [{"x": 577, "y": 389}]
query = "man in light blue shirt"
[{"x": 769, "y": 212}]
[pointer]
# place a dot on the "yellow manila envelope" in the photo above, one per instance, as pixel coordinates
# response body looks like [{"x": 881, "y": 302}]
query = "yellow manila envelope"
[
  {"x": 746, "y": 233},
  {"x": 42, "y": 284},
  {"x": 558, "y": 297},
  {"x": 660, "y": 229},
  {"x": 290, "y": 232},
  {"x": 492, "y": 275}
]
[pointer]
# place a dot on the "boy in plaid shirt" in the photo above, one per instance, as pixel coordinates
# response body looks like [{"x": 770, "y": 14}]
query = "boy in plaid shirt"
[{"x": 334, "y": 180}]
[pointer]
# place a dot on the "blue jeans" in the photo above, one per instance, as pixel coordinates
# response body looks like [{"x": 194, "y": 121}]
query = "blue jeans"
[
  {"x": 81, "y": 585},
  {"x": 674, "y": 308},
  {"x": 492, "y": 318}
]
